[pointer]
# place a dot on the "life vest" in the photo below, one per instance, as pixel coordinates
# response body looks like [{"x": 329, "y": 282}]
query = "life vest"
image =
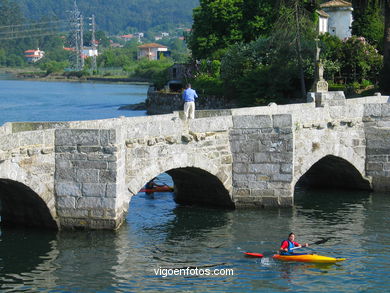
[{"x": 290, "y": 245}]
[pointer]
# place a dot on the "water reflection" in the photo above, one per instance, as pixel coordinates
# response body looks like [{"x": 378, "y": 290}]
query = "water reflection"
[{"x": 160, "y": 234}]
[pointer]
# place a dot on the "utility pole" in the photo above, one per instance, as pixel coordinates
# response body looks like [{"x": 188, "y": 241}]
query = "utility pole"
[
  {"x": 76, "y": 24},
  {"x": 94, "y": 45}
]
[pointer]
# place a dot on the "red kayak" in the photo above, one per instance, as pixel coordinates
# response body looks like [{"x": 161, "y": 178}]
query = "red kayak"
[
  {"x": 253, "y": 254},
  {"x": 164, "y": 188}
]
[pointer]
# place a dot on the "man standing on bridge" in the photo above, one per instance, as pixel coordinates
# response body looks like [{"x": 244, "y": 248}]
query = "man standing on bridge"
[{"x": 189, "y": 96}]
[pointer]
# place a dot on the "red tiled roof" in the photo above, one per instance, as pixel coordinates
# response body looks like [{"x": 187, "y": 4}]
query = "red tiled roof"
[{"x": 152, "y": 45}]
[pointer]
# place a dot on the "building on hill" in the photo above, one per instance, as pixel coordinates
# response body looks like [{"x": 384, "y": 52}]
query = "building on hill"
[
  {"x": 339, "y": 18},
  {"x": 152, "y": 51},
  {"x": 33, "y": 56},
  {"x": 323, "y": 19},
  {"x": 89, "y": 52}
]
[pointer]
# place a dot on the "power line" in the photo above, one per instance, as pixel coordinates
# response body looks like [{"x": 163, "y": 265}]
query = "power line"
[
  {"x": 35, "y": 23},
  {"x": 29, "y": 30},
  {"x": 30, "y": 36}
]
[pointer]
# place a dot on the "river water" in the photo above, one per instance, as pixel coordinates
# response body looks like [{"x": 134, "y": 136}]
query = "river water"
[{"x": 160, "y": 236}]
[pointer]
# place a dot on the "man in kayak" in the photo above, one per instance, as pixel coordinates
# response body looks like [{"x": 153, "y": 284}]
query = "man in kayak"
[{"x": 287, "y": 245}]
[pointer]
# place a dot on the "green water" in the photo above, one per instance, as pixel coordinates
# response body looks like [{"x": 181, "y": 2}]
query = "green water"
[{"x": 160, "y": 234}]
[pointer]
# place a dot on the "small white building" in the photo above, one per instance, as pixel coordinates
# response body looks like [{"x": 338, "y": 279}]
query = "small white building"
[
  {"x": 340, "y": 17},
  {"x": 151, "y": 51},
  {"x": 322, "y": 21},
  {"x": 33, "y": 56},
  {"x": 90, "y": 52}
]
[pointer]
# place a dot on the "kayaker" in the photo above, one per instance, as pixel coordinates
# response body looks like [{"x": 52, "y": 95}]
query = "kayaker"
[
  {"x": 151, "y": 184},
  {"x": 287, "y": 245}
]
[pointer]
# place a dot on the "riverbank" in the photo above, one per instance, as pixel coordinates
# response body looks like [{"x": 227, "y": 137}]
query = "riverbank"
[{"x": 32, "y": 73}]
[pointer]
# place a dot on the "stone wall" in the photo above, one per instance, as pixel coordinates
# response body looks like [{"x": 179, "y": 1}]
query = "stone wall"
[
  {"x": 377, "y": 129},
  {"x": 262, "y": 148},
  {"x": 164, "y": 103},
  {"x": 196, "y": 154},
  {"x": 89, "y": 164},
  {"x": 27, "y": 177}
]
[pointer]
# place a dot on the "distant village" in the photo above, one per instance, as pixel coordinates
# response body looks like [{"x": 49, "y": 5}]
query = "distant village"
[{"x": 150, "y": 51}]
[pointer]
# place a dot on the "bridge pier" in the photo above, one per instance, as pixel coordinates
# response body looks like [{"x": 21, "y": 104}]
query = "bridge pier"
[
  {"x": 262, "y": 148},
  {"x": 89, "y": 178}
]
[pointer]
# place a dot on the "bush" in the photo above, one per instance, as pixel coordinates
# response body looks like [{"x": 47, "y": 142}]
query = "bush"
[
  {"x": 156, "y": 71},
  {"x": 53, "y": 66},
  {"x": 209, "y": 85}
]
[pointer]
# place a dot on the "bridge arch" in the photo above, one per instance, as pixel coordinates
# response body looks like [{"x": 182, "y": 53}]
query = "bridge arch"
[
  {"x": 22, "y": 206},
  {"x": 333, "y": 172},
  {"x": 197, "y": 179}
]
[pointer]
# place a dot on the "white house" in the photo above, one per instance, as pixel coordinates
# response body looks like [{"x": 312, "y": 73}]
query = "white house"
[
  {"x": 340, "y": 17},
  {"x": 151, "y": 51},
  {"x": 89, "y": 52},
  {"x": 322, "y": 22},
  {"x": 33, "y": 55}
]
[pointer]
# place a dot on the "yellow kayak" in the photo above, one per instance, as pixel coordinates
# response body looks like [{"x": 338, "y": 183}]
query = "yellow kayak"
[{"x": 314, "y": 258}]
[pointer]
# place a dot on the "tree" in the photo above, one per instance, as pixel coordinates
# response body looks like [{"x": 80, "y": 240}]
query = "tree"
[
  {"x": 221, "y": 23},
  {"x": 385, "y": 81},
  {"x": 368, "y": 21}
]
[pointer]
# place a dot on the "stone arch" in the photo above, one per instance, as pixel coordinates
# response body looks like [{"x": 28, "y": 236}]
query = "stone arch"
[
  {"x": 201, "y": 172},
  {"x": 20, "y": 205},
  {"x": 333, "y": 172}
]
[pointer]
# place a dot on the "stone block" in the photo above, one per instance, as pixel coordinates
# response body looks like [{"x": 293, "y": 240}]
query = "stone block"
[
  {"x": 269, "y": 201},
  {"x": 265, "y": 169},
  {"x": 101, "y": 165},
  {"x": 65, "y": 174},
  {"x": 107, "y": 176},
  {"x": 73, "y": 137},
  {"x": 281, "y": 157},
  {"x": 107, "y": 137},
  {"x": 67, "y": 202},
  {"x": 385, "y": 111},
  {"x": 286, "y": 168},
  {"x": 89, "y": 149},
  {"x": 94, "y": 189},
  {"x": 241, "y": 191},
  {"x": 89, "y": 203},
  {"x": 31, "y": 138},
  {"x": 252, "y": 121},
  {"x": 286, "y": 201},
  {"x": 282, "y": 177},
  {"x": 111, "y": 190},
  {"x": 87, "y": 175},
  {"x": 240, "y": 168},
  {"x": 282, "y": 120},
  {"x": 65, "y": 213},
  {"x": 262, "y": 157},
  {"x": 372, "y": 110},
  {"x": 67, "y": 189}
]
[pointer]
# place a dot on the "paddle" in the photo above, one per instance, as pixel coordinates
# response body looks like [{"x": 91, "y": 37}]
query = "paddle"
[
  {"x": 323, "y": 240},
  {"x": 260, "y": 255},
  {"x": 253, "y": 254}
]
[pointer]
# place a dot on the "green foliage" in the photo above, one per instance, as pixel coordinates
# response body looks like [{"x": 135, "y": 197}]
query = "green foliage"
[
  {"x": 208, "y": 85},
  {"x": 117, "y": 15},
  {"x": 219, "y": 24},
  {"x": 117, "y": 57},
  {"x": 353, "y": 60},
  {"x": 368, "y": 21},
  {"x": 54, "y": 66},
  {"x": 154, "y": 71}
]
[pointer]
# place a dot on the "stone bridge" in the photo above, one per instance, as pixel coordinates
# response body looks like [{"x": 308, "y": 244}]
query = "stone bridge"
[{"x": 82, "y": 174}]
